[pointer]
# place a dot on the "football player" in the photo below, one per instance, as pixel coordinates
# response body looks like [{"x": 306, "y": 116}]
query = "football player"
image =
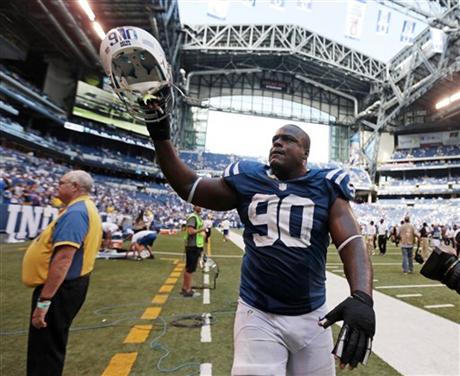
[{"x": 288, "y": 213}]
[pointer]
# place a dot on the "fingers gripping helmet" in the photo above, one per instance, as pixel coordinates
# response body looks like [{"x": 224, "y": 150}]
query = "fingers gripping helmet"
[{"x": 140, "y": 75}]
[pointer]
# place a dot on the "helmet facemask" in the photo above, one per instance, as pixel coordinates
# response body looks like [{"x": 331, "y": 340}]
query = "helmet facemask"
[
  {"x": 139, "y": 82},
  {"x": 140, "y": 75}
]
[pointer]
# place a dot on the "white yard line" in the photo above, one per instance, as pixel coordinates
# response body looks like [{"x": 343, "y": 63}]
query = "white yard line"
[
  {"x": 206, "y": 292},
  {"x": 374, "y": 263},
  {"x": 205, "y": 369},
  {"x": 409, "y": 286},
  {"x": 439, "y": 306},
  {"x": 181, "y": 254},
  {"x": 206, "y": 328},
  {"x": 408, "y": 295}
]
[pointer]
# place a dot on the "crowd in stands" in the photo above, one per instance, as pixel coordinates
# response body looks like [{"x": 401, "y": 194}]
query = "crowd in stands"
[
  {"x": 420, "y": 185},
  {"x": 445, "y": 212},
  {"x": 24, "y": 82},
  {"x": 420, "y": 181},
  {"x": 103, "y": 156},
  {"x": 427, "y": 152},
  {"x": 207, "y": 161},
  {"x": 29, "y": 180}
]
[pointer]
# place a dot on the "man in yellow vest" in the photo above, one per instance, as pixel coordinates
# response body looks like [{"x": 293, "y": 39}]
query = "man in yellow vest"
[
  {"x": 57, "y": 265},
  {"x": 194, "y": 242}
]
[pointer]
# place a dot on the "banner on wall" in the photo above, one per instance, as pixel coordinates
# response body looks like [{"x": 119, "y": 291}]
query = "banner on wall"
[
  {"x": 24, "y": 222},
  {"x": 409, "y": 141},
  {"x": 355, "y": 17}
]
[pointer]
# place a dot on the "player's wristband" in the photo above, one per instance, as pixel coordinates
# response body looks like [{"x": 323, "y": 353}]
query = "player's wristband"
[{"x": 44, "y": 304}]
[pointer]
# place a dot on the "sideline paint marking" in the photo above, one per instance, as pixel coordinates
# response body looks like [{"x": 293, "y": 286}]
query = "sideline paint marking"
[
  {"x": 160, "y": 298},
  {"x": 175, "y": 274},
  {"x": 151, "y": 313},
  {"x": 215, "y": 256},
  {"x": 206, "y": 292},
  {"x": 206, "y": 328},
  {"x": 170, "y": 281},
  {"x": 138, "y": 334},
  {"x": 120, "y": 364},
  {"x": 407, "y": 286},
  {"x": 206, "y": 296},
  {"x": 205, "y": 369},
  {"x": 408, "y": 295},
  {"x": 209, "y": 247},
  {"x": 166, "y": 288},
  {"x": 440, "y": 306}
]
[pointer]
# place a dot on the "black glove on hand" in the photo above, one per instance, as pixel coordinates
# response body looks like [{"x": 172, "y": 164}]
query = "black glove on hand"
[
  {"x": 354, "y": 343},
  {"x": 160, "y": 130}
]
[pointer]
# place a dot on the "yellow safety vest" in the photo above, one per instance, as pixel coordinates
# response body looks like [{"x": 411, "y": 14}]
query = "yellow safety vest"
[{"x": 199, "y": 236}]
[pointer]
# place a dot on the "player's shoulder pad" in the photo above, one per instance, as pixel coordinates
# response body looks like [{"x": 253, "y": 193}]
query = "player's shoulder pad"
[
  {"x": 242, "y": 167},
  {"x": 341, "y": 181}
]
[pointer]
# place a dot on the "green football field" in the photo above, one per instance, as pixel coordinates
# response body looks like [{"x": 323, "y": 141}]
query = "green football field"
[{"x": 121, "y": 292}]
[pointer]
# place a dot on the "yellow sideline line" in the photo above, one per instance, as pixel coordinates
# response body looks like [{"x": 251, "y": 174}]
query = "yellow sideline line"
[
  {"x": 175, "y": 274},
  {"x": 138, "y": 334},
  {"x": 209, "y": 247},
  {"x": 160, "y": 298},
  {"x": 151, "y": 313},
  {"x": 120, "y": 364},
  {"x": 166, "y": 288}
]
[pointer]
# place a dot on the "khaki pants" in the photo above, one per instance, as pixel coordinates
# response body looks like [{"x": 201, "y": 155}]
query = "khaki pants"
[
  {"x": 370, "y": 244},
  {"x": 426, "y": 252}
]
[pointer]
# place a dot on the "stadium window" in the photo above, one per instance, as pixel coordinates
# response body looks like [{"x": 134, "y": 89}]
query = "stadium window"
[
  {"x": 277, "y": 4},
  {"x": 218, "y": 9},
  {"x": 408, "y": 32},
  {"x": 304, "y": 4},
  {"x": 383, "y": 21},
  {"x": 249, "y": 3}
]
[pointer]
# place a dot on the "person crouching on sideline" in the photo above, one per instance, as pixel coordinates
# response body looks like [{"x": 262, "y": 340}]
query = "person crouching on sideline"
[
  {"x": 57, "y": 265},
  {"x": 142, "y": 243}
]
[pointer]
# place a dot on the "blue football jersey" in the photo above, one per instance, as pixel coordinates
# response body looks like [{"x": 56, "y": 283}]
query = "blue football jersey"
[{"x": 286, "y": 235}]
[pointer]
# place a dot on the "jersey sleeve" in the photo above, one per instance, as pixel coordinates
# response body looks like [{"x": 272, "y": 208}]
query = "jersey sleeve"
[
  {"x": 340, "y": 184},
  {"x": 71, "y": 229},
  {"x": 191, "y": 222},
  {"x": 231, "y": 173}
]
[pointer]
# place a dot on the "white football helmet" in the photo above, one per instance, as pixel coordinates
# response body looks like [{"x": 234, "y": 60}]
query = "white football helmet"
[{"x": 140, "y": 75}]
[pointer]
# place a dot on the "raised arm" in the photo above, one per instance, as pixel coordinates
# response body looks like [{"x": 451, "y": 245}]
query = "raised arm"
[
  {"x": 211, "y": 193},
  {"x": 355, "y": 258}
]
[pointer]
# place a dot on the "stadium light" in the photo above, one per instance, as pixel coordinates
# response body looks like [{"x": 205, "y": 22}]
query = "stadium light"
[
  {"x": 87, "y": 8},
  {"x": 447, "y": 101},
  {"x": 98, "y": 29}
]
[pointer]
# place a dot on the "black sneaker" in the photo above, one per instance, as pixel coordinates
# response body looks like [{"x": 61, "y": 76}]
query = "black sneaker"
[{"x": 190, "y": 294}]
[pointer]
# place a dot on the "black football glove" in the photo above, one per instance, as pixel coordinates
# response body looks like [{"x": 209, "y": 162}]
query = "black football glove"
[
  {"x": 161, "y": 130},
  {"x": 354, "y": 343}
]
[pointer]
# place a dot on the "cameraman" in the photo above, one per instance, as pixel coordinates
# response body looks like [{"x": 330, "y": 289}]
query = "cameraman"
[{"x": 443, "y": 265}]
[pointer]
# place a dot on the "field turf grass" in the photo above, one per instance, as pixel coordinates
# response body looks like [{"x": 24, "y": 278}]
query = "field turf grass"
[{"x": 121, "y": 290}]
